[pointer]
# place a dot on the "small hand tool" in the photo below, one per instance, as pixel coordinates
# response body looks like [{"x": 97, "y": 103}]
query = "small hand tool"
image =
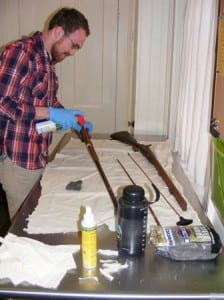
[{"x": 74, "y": 185}]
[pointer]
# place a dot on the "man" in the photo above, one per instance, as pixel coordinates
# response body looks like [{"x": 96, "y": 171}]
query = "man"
[{"x": 28, "y": 89}]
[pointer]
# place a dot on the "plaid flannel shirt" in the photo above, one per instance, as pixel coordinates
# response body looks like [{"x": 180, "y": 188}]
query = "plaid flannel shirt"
[{"x": 27, "y": 79}]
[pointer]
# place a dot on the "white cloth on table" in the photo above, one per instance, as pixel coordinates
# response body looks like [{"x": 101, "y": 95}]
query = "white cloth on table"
[
  {"x": 60, "y": 210},
  {"x": 24, "y": 259}
]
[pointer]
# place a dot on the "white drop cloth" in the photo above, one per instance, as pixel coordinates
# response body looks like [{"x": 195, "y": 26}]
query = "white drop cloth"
[{"x": 60, "y": 210}]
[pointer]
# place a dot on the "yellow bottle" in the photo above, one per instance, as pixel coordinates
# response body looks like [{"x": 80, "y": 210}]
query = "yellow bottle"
[{"x": 89, "y": 240}]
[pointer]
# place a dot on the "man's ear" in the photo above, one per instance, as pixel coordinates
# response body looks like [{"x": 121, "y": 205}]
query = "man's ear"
[{"x": 58, "y": 32}]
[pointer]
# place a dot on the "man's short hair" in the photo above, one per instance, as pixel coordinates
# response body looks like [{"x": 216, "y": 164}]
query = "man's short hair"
[{"x": 70, "y": 19}]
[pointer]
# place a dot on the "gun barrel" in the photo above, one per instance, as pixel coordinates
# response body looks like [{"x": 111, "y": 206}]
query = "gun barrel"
[{"x": 89, "y": 145}]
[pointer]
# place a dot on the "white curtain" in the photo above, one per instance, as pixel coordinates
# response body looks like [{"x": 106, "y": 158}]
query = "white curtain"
[{"x": 189, "y": 125}]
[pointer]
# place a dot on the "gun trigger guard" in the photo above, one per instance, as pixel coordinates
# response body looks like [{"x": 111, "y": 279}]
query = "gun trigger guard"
[
  {"x": 148, "y": 146},
  {"x": 135, "y": 149}
]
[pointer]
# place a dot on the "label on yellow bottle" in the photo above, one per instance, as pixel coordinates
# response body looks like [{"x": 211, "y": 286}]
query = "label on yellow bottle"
[{"x": 89, "y": 248}]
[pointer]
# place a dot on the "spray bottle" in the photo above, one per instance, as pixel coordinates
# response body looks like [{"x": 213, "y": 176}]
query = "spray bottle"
[
  {"x": 46, "y": 126},
  {"x": 50, "y": 126},
  {"x": 89, "y": 240}
]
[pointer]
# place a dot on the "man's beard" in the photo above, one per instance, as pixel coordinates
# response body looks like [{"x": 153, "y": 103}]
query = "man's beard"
[{"x": 58, "y": 56}]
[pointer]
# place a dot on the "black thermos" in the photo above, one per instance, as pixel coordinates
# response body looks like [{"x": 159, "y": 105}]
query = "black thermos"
[{"x": 132, "y": 221}]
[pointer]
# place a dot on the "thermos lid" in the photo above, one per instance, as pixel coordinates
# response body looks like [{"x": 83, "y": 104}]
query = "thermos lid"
[{"x": 133, "y": 193}]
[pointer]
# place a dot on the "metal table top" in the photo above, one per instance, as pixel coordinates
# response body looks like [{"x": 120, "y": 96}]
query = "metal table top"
[{"x": 149, "y": 276}]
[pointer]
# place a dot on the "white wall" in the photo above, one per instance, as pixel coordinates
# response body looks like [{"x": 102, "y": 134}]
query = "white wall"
[
  {"x": 98, "y": 79},
  {"x": 103, "y": 79},
  {"x": 154, "y": 60}
]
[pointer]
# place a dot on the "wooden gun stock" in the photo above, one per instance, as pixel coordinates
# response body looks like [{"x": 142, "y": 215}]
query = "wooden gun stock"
[{"x": 125, "y": 137}]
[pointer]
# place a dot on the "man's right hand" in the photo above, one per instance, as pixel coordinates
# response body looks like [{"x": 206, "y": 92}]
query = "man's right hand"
[{"x": 66, "y": 118}]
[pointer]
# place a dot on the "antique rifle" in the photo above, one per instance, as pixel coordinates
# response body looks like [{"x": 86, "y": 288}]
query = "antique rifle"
[
  {"x": 89, "y": 145},
  {"x": 127, "y": 138}
]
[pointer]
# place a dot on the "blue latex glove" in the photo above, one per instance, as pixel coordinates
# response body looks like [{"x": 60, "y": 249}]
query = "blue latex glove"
[
  {"x": 66, "y": 118},
  {"x": 88, "y": 126},
  {"x": 82, "y": 122}
]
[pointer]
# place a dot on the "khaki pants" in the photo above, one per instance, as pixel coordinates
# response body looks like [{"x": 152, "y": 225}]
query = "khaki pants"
[{"x": 17, "y": 182}]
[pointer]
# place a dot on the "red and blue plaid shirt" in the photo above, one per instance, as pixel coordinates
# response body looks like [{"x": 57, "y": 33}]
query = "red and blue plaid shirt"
[{"x": 27, "y": 79}]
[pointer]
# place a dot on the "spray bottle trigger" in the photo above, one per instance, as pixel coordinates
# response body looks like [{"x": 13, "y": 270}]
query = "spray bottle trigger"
[{"x": 81, "y": 120}]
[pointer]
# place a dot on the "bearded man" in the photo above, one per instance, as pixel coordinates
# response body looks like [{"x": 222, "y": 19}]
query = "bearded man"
[{"x": 28, "y": 94}]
